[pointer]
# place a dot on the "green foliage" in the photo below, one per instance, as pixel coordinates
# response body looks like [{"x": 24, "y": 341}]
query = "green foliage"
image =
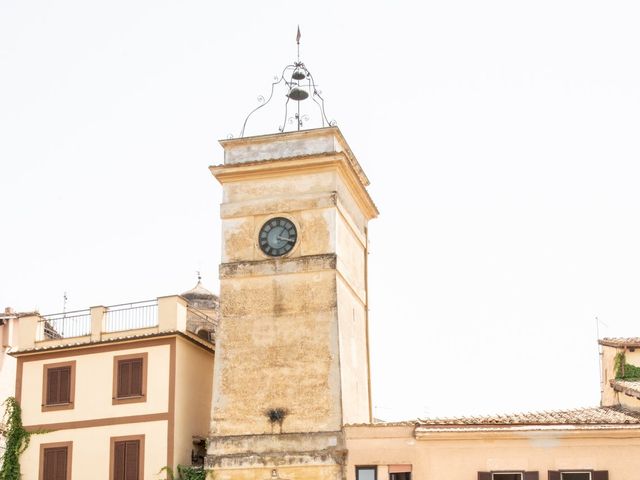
[
  {"x": 624, "y": 370},
  {"x": 185, "y": 472},
  {"x": 17, "y": 440}
]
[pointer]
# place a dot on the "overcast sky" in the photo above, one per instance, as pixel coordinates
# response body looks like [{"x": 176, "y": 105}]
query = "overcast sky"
[{"x": 500, "y": 138}]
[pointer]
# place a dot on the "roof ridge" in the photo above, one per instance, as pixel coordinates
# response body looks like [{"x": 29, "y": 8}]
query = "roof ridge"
[{"x": 579, "y": 415}]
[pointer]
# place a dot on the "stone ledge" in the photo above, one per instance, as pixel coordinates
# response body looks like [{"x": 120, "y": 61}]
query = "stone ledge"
[
  {"x": 309, "y": 263},
  {"x": 277, "y": 459}
]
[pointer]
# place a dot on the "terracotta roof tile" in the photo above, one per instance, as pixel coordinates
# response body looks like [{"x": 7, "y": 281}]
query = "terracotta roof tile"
[
  {"x": 71, "y": 345},
  {"x": 620, "y": 342},
  {"x": 381, "y": 423},
  {"x": 629, "y": 388},
  {"x": 582, "y": 416}
]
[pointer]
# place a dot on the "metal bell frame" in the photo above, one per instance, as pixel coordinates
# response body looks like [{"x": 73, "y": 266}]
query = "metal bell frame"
[{"x": 300, "y": 85}]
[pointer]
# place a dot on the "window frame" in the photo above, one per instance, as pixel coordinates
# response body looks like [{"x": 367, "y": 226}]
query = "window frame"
[
  {"x": 112, "y": 453},
  {"x": 115, "y": 399},
  {"x": 46, "y": 446},
  {"x": 508, "y": 472},
  {"x": 590, "y": 472},
  {"x": 367, "y": 467},
  {"x": 72, "y": 386}
]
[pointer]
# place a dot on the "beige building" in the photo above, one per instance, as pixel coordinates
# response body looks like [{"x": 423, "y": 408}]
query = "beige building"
[
  {"x": 121, "y": 391},
  {"x": 621, "y": 372}
]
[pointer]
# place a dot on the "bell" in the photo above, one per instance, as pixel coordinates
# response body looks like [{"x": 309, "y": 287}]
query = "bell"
[
  {"x": 298, "y": 94},
  {"x": 298, "y": 75}
]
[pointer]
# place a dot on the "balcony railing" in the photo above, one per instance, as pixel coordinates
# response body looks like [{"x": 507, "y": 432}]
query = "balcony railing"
[
  {"x": 131, "y": 316},
  {"x": 64, "y": 325},
  {"x": 170, "y": 313}
]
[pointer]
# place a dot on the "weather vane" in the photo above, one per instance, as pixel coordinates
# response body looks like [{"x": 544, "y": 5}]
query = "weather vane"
[{"x": 300, "y": 86}]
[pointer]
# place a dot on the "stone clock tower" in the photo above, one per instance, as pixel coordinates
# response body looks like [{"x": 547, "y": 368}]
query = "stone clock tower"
[{"x": 292, "y": 361}]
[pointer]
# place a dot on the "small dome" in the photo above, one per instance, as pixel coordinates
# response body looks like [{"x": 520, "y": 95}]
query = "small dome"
[
  {"x": 200, "y": 297},
  {"x": 198, "y": 292}
]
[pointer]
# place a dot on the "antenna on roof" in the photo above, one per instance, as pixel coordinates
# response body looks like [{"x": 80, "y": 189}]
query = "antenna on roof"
[
  {"x": 64, "y": 302},
  {"x": 199, "y": 276}
]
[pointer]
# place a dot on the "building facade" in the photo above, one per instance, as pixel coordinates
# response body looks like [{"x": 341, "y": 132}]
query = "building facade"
[{"x": 114, "y": 392}]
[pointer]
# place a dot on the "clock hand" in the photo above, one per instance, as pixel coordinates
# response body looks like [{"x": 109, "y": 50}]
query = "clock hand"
[{"x": 286, "y": 239}]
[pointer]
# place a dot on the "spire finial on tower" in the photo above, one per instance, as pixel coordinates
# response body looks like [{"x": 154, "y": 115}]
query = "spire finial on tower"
[{"x": 300, "y": 85}]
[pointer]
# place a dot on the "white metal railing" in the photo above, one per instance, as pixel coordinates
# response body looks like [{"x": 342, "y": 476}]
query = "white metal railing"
[
  {"x": 131, "y": 316},
  {"x": 64, "y": 325}
]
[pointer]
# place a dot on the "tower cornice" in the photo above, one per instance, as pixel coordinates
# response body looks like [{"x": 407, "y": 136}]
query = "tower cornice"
[{"x": 307, "y": 164}]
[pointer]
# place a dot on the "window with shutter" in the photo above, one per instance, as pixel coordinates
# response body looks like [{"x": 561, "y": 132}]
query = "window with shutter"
[
  {"x": 508, "y": 476},
  {"x": 129, "y": 378},
  {"x": 58, "y": 386},
  {"x": 127, "y": 455},
  {"x": 55, "y": 461},
  {"x": 578, "y": 475}
]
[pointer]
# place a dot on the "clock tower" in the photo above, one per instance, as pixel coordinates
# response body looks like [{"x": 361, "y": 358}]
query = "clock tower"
[{"x": 292, "y": 353}]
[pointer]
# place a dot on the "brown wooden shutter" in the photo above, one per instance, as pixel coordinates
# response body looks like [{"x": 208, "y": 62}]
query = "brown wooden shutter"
[
  {"x": 484, "y": 476},
  {"x": 130, "y": 378},
  {"x": 55, "y": 464},
  {"x": 554, "y": 475},
  {"x": 531, "y": 476},
  {"x": 58, "y": 385},
  {"x": 118, "y": 461},
  {"x": 136, "y": 377},
  {"x": 600, "y": 475},
  {"x": 53, "y": 386},
  {"x": 61, "y": 464},
  {"x": 124, "y": 378},
  {"x": 49, "y": 464},
  {"x": 132, "y": 460},
  {"x": 65, "y": 385},
  {"x": 126, "y": 460}
]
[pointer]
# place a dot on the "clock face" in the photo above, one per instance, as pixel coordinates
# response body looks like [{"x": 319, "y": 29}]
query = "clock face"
[{"x": 277, "y": 236}]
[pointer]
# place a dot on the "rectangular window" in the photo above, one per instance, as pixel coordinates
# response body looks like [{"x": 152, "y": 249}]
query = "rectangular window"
[
  {"x": 400, "y": 476},
  {"x": 130, "y": 378},
  {"x": 366, "y": 473},
  {"x": 508, "y": 476},
  {"x": 579, "y": 475},
  {"x": 58, "y": 386},
  {"x": 400, "y": 472},
  {"x": 55, "y": 461},
  {"x": 127, "y": 458}
]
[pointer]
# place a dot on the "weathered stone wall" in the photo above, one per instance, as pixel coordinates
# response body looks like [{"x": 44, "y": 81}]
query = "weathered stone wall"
[{"x": 292, "y": 337}]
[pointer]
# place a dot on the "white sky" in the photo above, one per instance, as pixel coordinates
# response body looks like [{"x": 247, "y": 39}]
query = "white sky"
[{"x": 500, "y": 137}]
